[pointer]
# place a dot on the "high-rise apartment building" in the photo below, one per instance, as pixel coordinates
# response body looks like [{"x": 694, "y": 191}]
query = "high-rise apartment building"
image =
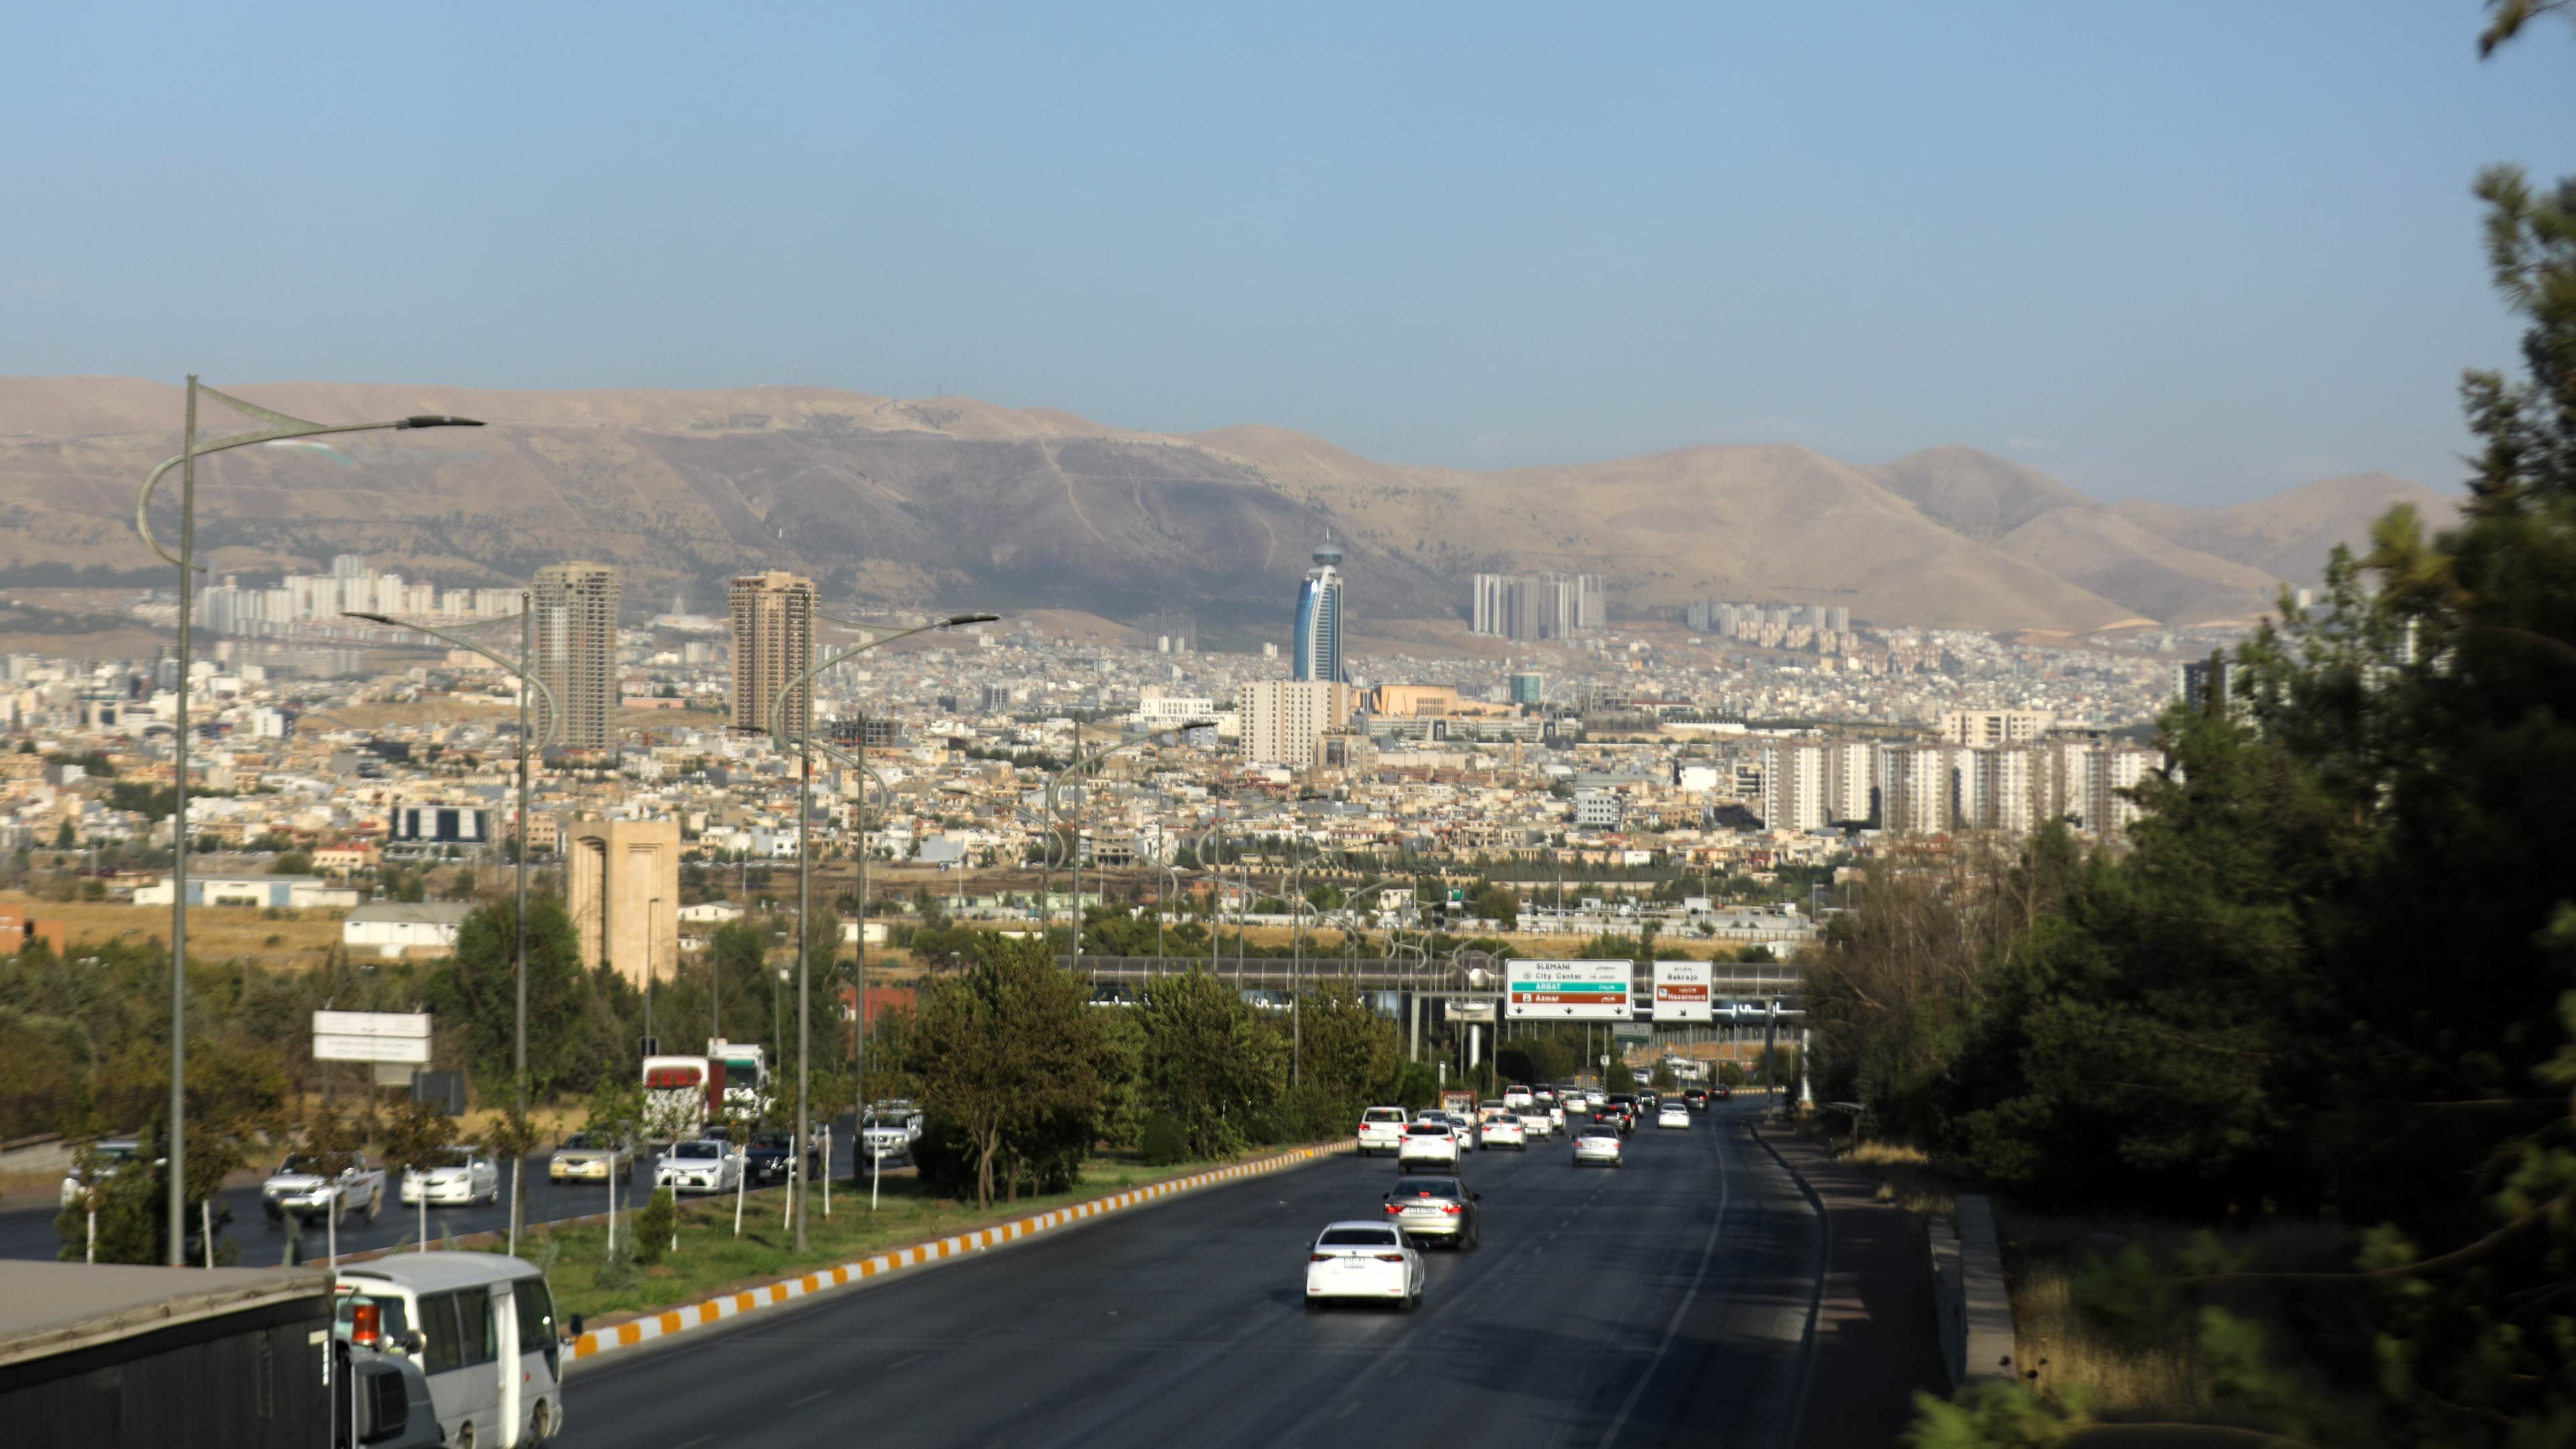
[
  {"x": 1851, "y": 774},
  {"x": 2107, "y": 813},
  {"x": 1284, "y": 718},
  {"x": 576, "y": 625},
  {"x": 1793, "y": 785},
  {"x": 1539, "y": 606},
  {"x": 773, "y": 643},
  {"x": 1316, "y": 647},
  {"x": 1994, "y": 728},
  {"x": 1919, "y": 789}
]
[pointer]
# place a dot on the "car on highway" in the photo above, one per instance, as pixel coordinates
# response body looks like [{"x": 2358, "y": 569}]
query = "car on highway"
[
  {"x": 891, "y": 1129},
  {"x": 1457, "y": 1124},
  {"x": 1365, "y": 1261},
  {"x": 1538, "y": 1122},
  {"x": 1612, "y": 1116},
  {"x": 299, "y": 1187},
  {"x": 1695, "y": 1098},
  {"x": 1381, "y": 1130},
  {"x": 701, "y": 1166},
  {"x": 1673, "y": 1115},
  {"x": 1428, "y": 1144},
  {"x": 1722, "y": 1093},
  {"x": 1436, "y": 1207},
  {"x": 766, "y": 1158},
  {"x": 591, "y": 1157},
  {"x": 1601, "y": 1145},
  {"x": 1503, "y": 1130},
  {"x": 1518, "y": 1098},
  {"x": 457, "y": 1175},
  {"x": 105, "y": 1157}
]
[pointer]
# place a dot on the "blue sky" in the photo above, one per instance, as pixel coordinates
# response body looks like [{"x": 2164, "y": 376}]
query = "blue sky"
[{"x": 2177, "y": 250}]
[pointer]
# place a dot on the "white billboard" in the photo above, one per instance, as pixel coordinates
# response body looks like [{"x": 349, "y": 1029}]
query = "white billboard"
[
  {"x": 1682, "y": 991},
  {"x": 1568, "y": 990},
  {"x": 371, "y": 1036}
]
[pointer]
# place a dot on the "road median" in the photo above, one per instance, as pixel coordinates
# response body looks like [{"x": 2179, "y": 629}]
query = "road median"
[{"x": 659, "y": 1325}]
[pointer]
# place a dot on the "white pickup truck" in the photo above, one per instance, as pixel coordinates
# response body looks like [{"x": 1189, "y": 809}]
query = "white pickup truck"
[
  {"x": 297, "y": 1188},
  {"x": 891, "y": 1129}
]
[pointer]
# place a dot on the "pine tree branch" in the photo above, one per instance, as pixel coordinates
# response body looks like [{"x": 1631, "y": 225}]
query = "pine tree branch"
[
  {"x": 2183, "y": 1434},
  {"x": 2456, "y": 1258}
]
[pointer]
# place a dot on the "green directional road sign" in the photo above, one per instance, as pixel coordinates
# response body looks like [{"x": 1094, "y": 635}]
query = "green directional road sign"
[{"x": 1569, "y": 990}]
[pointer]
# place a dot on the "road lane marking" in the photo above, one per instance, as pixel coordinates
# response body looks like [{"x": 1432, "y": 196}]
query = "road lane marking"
[
  {"x": 1672, "y": 1326},
  {"x": 809, "y": 1398}
]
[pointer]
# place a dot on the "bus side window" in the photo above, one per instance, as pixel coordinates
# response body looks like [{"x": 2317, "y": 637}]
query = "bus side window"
[
  {"x": 474, "y": 1316},
  {"x": 438, "y": 1323}
]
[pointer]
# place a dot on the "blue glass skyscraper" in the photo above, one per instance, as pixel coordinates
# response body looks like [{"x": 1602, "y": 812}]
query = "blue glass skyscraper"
[{"x": 1316, "y": 651}]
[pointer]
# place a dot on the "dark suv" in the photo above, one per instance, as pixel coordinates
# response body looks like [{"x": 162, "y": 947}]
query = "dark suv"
[{"x": 765, "y": 1160}]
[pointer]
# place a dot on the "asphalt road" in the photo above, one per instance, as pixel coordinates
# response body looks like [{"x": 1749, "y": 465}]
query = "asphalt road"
[
  {"x": 29, "y": 1232},
  {"x": 1664, "y": 1303}
]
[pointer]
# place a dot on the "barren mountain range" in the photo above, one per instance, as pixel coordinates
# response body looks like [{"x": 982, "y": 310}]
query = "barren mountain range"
[{"x": 957, "y": 501}]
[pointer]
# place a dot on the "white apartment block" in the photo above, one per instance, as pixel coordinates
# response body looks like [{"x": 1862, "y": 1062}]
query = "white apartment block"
[
  {"x": 1994, "y": 728},
  {"x": 1165, "y": 711},
  {"x": 1793, "y": 785},
  {"x": 1851, "y": 768},
  {"x": 1283, "y": 718},
  {"x": 1919, "y": 789},
  {"x": 2107, "y": 814}
]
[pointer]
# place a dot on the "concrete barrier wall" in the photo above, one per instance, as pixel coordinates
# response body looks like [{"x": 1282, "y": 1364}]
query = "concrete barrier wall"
[{"x": 1986, "y": 1308}]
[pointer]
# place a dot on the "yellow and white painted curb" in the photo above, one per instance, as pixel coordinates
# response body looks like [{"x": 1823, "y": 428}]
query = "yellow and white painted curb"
[{"x": 787, "y": 1290}]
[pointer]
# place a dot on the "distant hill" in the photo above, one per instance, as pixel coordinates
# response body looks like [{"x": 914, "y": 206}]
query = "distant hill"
[
  {"x": 2037, "y": 519},
  {"x": 2289, "y": 535},
  {"x": 960, "y": 502}
]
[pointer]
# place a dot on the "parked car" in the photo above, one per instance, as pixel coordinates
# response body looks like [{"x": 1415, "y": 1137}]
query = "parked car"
[
  {"x": 701, "y": 1166},
  {"x": 1503, "y": 1131},
  {"x": 1381, "y": 1130},
  {"x": 1676, "y": 1116},
  {"x": 1363, "y": 1260},
  {"x": 298, "y": 1187},
  {"x": 1429, "y": 1144},
  {"x": 459, "y": 1175},
  {"x": 1600, "y": 1144},
  {"x": 1435, "y": 1207},
  {"x": 591, "y": 1157}
]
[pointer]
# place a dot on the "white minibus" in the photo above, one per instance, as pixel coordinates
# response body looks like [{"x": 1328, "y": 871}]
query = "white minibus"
[{"x": 482, "y": 1329}]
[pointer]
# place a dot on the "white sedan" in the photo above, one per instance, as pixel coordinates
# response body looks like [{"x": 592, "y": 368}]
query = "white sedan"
[
  {"x": 1601, "y": 1145},
  {"x": 1674, "y": 1114},
  {"x": 1504, "y": 1130},
  {"x": 1428, "y": 1144},
  {"x": 458, "y": 1175},
  {"x": 703, "y": 1166},
  {"x": 1367, "y": 1260}
]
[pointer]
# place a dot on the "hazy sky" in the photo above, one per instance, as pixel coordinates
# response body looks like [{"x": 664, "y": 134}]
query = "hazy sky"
[{"x": 2193, "y": 251}]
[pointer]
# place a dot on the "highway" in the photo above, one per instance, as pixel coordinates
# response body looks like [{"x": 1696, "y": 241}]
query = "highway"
[
  {"x": 29, "y": 1232},
  {"x": 1663, "y": 1303}
]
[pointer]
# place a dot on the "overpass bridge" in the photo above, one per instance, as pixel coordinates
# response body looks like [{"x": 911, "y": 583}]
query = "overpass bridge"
[{"x": 1736, "y": 988}]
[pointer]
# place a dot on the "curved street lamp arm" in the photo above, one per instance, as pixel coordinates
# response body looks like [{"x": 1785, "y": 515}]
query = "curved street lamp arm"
[
  {"x": 285, "y": 427},
  {"x": 778, "y": 707},
  {"x": 526, "y": 674}
]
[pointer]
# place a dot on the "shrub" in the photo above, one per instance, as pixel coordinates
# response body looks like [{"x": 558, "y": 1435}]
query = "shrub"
[
  {"x": 1164, "y": 1140},
  {"x": 654, "y": 1224}
]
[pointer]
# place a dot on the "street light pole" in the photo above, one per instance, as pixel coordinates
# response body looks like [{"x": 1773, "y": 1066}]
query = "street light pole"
[
  {"x": 280, "y": 426},
  {"x": 530, "y": 684},
  {"x": 1094, "y": 762},
  {"x": 805, "y": 890}
]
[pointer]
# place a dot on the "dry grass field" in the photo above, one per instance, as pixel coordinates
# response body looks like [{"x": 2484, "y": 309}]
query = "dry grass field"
[{"x": 215, "y": 933}]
